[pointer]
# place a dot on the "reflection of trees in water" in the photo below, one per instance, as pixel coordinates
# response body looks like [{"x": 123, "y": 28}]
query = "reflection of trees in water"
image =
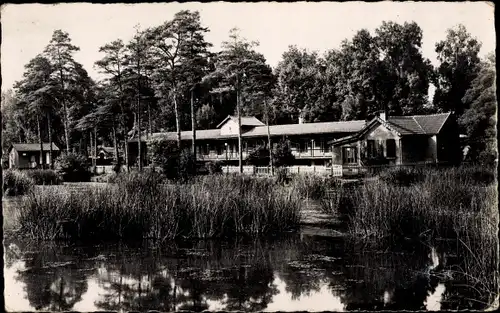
[
  {"x": 239, "y": 274},
  {"x": 133, "y": 279},
  {"x": 55, "y": 279},
  {"x": 320, "y": 260}
]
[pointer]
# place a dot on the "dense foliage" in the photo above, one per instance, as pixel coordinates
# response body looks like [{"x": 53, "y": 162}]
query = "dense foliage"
[
  {"x": 175, "y": 163},
  {"x": 166, "y": 79},
  {"x": 73, "y": 167}
]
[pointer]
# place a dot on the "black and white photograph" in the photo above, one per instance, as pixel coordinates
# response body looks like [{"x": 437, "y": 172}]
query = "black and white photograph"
[{"x": 250, "y": 157}]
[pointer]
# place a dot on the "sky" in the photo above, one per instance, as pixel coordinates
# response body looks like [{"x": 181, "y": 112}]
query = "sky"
[{"x": 27, "y": 28}]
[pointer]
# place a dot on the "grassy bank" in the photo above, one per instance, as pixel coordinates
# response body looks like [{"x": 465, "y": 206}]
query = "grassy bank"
[
  {"x": 144, "y": 206},
  {"x": 17, "y": 182}
]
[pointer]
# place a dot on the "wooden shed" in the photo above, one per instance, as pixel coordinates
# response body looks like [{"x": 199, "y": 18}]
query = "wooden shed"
[{"x": 27, "y": 155}]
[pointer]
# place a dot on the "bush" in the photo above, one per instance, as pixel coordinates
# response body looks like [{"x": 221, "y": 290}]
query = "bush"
[
  {"x": 282, "y": 176},
  {"x": 73, "y": 167},
  {"x": 213, "y": 167},
  {"x": 16, "y": 183},
  {"x": 176, "y": 164},
  {"x": 282, "y": 154},
  {"x": 258, "y": 156},
  {"x": 45, "y": 177},
  {"x": 402, "y": 176},
  {"x": 117, "y": 166}
]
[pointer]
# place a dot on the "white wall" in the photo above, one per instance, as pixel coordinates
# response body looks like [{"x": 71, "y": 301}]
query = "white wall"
[{"x": 229, "y": 128}]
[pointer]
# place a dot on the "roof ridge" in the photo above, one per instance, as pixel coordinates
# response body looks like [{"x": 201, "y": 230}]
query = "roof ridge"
[{"x": 421, "y": 128}]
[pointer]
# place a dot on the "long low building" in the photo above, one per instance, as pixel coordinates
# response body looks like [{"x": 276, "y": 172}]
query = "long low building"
[
  {"x": 396, "y": 139},
  {"x": 309, "y": 141}
]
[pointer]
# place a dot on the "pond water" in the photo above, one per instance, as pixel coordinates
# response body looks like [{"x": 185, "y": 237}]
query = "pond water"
[{"x": 313, "y": 270}]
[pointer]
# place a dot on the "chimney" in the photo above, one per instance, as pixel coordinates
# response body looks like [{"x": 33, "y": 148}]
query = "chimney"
[{"x": 382, "y": 116}]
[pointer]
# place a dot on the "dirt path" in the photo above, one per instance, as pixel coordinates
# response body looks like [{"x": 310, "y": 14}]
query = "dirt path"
[{"x": 314, "y": 221}]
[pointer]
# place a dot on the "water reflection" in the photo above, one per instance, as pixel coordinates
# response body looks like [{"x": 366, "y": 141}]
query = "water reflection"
[{"x": 290, "y": 273}]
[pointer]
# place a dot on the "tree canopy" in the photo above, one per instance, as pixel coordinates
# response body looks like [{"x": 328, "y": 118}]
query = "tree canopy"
[{"x": 169, "y": 77}]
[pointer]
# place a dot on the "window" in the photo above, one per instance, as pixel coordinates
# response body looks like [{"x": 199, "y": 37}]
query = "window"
[
  {"x": 375, "y": 148},
  {"x": 349, "y": 155},
  {"x": 391, "y": 148},
  {"x": 371, "y": 147}
]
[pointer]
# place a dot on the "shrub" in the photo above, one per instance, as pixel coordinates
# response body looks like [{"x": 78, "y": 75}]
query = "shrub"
[
  {"x": 282, "y": 176},
  {"x": 117, "y": 166},
  {"x": 73, "y": 167},
  {"x": 45, "y": 177},
  {"x": 282, "y": 154},
  {"x": 402, "y": 176},
  {"x": 16, "y": 183},
  {"x": 258, "y": 156},
  {"x": 176, "y": 164},
  {"x": 186, "y": 165},
  {"x": 213, "y": 167}
]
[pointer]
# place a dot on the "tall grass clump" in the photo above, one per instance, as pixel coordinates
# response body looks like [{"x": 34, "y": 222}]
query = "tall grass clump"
[
  {"x": 16, "y": 183},
  {"x": 384, "y": 208},
  {"x": 456, "y": 203},
  {"x": 402, "y": 176},
  {"x": 141, "y": 205},
  {"x": 45, "y": 177},
  {"x": 312, "y": 186}
]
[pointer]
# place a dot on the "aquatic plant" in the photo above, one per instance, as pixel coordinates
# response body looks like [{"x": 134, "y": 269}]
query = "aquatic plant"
[
  {"x": 450, "y": 203},
  {"x": 143, "y": 205},
  {"x": 313, "y": 186}
]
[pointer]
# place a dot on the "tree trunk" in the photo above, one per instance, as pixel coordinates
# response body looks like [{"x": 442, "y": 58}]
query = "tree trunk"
[
  {"x": 65, "y": 109},
  {"x": 124, "y": 126},
  {"x": 41, "y": 140},
  {"x": 115, "y": 143},
  {"x": 240, "y": 144},
  {"x": 150, "y": 126},
  {"x": 177, "y": 119},
  {"x": 95, "y": 148},
  {"x": 49, "y": 131},
  {"x": 91, "y": 149},
  {"x": 139, "y": 139},
  {"x": 193, "y": 125},
  {"x": 269, "y": 138}
]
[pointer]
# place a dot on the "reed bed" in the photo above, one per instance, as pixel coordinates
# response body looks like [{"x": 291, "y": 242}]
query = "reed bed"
[
  {"x": 147, "y": 206},
  {"x": 459, "y": 203},
  {"x": 313, "y": 186}
]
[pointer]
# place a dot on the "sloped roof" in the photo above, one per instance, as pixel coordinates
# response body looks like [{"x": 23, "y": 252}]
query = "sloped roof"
[
  {"x": 405, "y": 125},
  {"x": 307, "y": 128},
  {"x": 245, "y": 121},
  {"x": 432, "y": 123},
  {"x": 26, "y": 147},
  {"x": 275, "y": 130},
  {"x": 109, "y": 150}
]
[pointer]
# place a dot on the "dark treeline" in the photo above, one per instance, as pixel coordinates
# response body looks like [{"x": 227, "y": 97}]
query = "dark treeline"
[{"x": 167, "y": 78}]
